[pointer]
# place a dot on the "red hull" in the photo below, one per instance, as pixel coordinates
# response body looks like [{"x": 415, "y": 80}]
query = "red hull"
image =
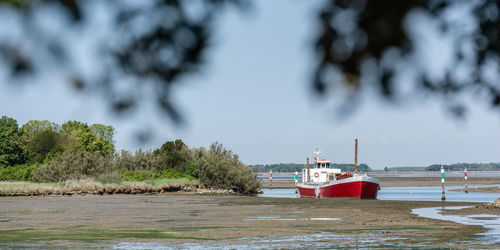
[{"x": 355, "y": 188}]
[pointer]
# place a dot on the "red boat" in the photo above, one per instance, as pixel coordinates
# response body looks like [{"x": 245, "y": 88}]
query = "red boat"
[{"x": 323, "y": 181}]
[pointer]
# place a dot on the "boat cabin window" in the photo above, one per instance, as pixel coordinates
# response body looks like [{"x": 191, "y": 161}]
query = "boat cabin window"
[{"x": 323, "y": 165}]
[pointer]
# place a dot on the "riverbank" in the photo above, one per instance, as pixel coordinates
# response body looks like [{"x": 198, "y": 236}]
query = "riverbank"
[{"x": 84, "y": 187}]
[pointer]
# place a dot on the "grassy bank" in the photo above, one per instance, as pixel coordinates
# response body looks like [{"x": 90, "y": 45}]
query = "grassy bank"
[{"x": 97, "y": 187}]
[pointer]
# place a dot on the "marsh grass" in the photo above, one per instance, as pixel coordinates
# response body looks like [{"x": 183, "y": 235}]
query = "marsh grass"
[
  {"x": 92, "y": 187},
  {"x": 33, "y": 211},
  {"x": 86, "y": 236}
]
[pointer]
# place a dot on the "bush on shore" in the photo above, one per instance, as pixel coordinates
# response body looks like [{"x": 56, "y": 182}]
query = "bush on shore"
[
  {"x": 149, "y": 175},
  {"x": 74, "y": 166},
  {"x": 216, "y": 167},
  {"x": 221, "y": 168},
  {"x": 16, "y": 173}
]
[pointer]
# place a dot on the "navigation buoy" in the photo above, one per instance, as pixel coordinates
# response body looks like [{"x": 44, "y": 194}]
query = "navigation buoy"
[{"x": 443, "y": 197}]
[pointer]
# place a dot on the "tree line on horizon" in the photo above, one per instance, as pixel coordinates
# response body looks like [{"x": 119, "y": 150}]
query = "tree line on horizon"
[
  {"x": 449, "y": 167},
  {"x": 345, "y": 167},
  {"x": 42, "y": 151},
  {"x": 462, "y": 166}
]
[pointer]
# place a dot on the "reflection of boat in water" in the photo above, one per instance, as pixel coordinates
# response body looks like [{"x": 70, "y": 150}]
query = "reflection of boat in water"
[{"x": 323, "y": 181}]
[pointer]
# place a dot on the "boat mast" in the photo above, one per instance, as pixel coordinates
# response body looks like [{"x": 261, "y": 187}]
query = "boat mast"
[
  {"x": 355, "y": 155},
  {"x": 307, "y": 163}
]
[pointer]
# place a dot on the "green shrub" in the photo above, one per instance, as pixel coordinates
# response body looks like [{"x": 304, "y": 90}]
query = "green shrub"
[
  {"x": 192, "y": 169},
  {"x": 172, "y": 174},
  {"x": 16, "y": 173},
  {"x": 138, "y": 176},
  {"x": 140, "y": 161},
  {"x": 173, "y": 155},
  {"x": 149, "y": 175},
  {"x": 74, "y": 166},
  {"x": 220, "y": 168}
]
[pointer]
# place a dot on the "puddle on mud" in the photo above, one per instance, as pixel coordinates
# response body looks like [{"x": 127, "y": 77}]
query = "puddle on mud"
[
  {"x": 281, "y": 218},
  {"x": 490, "y": 222},
  {"x": 313, "y": 241}
]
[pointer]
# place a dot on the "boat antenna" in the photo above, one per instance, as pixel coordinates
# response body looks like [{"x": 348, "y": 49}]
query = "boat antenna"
[
  {"x": 317, "y": 153},
  {"x": 355, "y": 155}
]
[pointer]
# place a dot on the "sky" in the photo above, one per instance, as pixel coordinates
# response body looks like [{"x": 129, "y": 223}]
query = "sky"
[{"x": 254, "y": 96}]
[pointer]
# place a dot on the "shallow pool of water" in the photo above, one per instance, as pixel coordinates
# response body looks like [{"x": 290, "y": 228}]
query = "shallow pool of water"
[
  {"x": 308, "y": 241},
  {"x": 490, "y": 222}
]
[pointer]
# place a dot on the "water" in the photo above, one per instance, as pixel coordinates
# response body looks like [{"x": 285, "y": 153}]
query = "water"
[
  {"x": 490, "y": 222},
  {"x": 281, "y": 218},
  {"x": 407, "y": 194},
  {"x": 323, "y": 240},
  {"x": 434, "y": 194}
]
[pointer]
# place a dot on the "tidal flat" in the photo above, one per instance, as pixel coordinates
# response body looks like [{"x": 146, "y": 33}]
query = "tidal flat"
[{"x": 186, "y": 220}]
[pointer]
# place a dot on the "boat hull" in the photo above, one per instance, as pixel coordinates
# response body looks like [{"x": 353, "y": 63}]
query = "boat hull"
[{"x": 357, "y": 186}]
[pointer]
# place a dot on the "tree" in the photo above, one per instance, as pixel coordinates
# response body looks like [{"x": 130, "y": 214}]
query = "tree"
[
  {"x": 10, "y": 152},
  {"x": 71, "y": 126},
  {"x": 105, "y": 132},
  {"x": 41, "y": 144},
  {"x": 173, "y": 44},
  {"x": 175, "y": 155},
  {"x": 370, "y": 43},
  {"x": 80, "y": 137},
  {"x": 31, "y": 128}
]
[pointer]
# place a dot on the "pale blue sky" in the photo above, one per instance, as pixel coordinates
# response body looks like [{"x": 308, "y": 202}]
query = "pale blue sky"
[{"x": 254, "y": 97}]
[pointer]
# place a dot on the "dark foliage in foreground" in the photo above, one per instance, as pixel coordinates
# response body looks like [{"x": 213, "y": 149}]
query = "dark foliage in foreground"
[{"x": 359, "y": 45}]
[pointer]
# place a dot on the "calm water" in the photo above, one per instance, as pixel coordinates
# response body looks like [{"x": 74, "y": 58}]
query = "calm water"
[
  {"x": 489, "y": 221},
  {"x": 408, "y": 194}
]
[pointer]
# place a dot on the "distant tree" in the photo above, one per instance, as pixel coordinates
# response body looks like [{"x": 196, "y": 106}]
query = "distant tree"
[
  {"x": 462, "y": 166},
  {"x": 10, "y": 152},
  {"x": 386, "y": 169}
]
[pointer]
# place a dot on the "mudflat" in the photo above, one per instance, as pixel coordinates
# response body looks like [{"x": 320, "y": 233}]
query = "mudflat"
[{"x": 189, "y": 220}]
